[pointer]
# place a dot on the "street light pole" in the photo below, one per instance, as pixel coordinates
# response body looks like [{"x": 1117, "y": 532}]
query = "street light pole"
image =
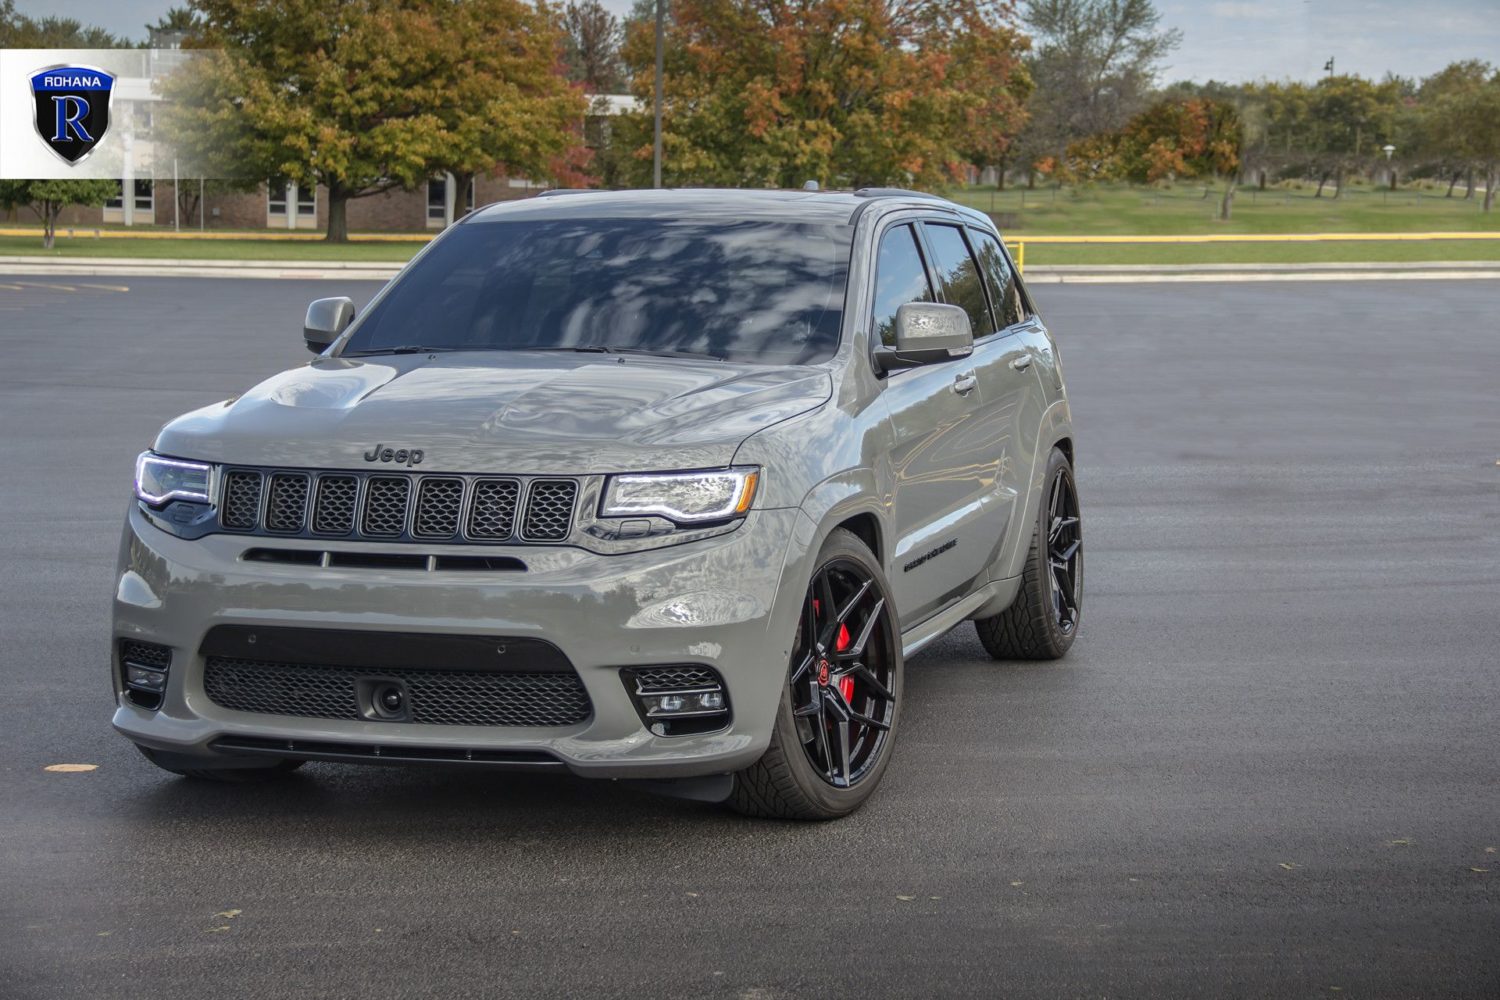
[
  {"x": 1388, "y": 149},
  {"x": 656, "y": 141}
]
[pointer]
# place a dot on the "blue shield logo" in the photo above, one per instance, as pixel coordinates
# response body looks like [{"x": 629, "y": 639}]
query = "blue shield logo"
[{"x": 72, "y": 108}]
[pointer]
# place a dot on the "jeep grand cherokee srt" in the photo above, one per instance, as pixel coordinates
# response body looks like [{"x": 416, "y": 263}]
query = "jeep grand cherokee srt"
[{"x": 650, "y": 485}]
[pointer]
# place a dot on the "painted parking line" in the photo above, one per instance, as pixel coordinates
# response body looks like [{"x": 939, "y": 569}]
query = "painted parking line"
[{"x": 21, "y": 286}]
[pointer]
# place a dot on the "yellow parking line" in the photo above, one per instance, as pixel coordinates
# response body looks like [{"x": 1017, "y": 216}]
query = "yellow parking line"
[{"x": 1261, "y": 238}]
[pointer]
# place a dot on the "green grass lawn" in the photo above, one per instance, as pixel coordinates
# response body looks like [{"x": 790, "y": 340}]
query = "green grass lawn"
[
  {"x": 1101, "y": 210},
  {"x": 194, "y": 249},
  {"x": 1180, "y": 210}
]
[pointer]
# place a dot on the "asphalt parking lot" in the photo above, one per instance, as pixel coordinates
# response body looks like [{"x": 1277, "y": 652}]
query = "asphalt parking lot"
[{"x": 1270, "y": 766}]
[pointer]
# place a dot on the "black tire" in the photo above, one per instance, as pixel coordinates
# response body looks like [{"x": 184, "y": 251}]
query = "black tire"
[
  {"x": 1041, "y": 623},
  {"x": 253, "y": 775},
  {"x": 785, "y": 783}
]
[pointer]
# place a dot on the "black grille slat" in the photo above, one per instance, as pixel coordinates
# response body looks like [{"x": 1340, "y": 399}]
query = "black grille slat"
[
  {"x": 333, "y": 509},
  {"x": 439, "y": 505},
  {"x": 492, "y": 511},
  {"x": 437, "y": 697},
  {"x": 241, "y": 510},
  {"x": 549, "y": 510},
  {"x": 386, "y": 501},
  {"x": 286, "y": 502}
]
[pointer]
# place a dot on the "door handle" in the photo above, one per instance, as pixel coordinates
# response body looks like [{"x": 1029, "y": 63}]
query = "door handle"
[
  {"x": 965, "y": 383},
  {"x": 1022, "y": 363}
]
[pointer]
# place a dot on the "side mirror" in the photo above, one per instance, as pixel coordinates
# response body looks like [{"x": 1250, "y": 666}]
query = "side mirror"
[
  {"x": 326, "y": 319},
  {"x": 926, "y": 333}
]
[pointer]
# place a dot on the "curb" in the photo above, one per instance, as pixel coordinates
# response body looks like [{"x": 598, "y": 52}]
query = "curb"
[{"x": 1056, "y": 274}]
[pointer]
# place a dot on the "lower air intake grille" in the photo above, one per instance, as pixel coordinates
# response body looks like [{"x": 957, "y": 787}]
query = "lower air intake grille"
[
  {"x": 674, "y": 678},
  {"x": 438, "y": 697},
  {"x": 146, "y": 654}
]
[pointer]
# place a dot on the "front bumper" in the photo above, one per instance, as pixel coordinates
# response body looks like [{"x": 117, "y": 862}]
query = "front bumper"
[{"x": 719, "y": 602}]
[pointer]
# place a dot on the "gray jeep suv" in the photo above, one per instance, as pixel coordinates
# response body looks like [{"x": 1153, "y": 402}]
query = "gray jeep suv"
[{"x": 645, "y": 485}]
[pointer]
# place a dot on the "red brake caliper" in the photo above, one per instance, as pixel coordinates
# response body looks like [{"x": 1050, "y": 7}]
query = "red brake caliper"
[{"x": 841, "y": 643}]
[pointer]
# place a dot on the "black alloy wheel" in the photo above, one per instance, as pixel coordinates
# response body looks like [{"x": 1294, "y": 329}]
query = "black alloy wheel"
[
  {"x": 1064, "y": 551},
  {"x": 843, "y": 675}
]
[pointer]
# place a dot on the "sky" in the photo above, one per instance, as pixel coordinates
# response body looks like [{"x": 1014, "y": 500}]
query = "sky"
[{"x": 1229, "y": 40}]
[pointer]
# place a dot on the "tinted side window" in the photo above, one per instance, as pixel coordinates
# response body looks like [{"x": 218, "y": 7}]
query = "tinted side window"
[
  {"x": 900, "y": 277},
  {"x": 959, "y": 276},
  {"x": 997, "y": 275}
]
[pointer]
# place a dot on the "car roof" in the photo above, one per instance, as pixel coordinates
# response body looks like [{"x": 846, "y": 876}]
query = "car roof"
[{"x": 711, "y": 204}]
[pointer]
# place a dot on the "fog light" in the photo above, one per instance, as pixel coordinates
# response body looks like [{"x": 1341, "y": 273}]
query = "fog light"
[
  {"x": 679, "y": 700},
  {"x": 144, "y": 678}
]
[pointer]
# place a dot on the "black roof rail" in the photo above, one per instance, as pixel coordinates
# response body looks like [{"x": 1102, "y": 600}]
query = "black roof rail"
[
  {"x": 554, "y": 192},
  {"x": 885, "y": 192}
]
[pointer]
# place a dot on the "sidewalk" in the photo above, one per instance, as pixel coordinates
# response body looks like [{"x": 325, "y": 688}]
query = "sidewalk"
[{"x": 1039, "y": 274}]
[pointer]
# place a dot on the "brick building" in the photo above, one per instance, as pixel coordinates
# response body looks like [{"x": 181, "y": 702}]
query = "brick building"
[{"x": 147, "y": 186}]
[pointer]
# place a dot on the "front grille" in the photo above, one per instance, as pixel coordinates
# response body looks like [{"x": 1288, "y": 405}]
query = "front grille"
[
  {"x": 437, "y": 697},
  {"x": 492, "y": 514},
  {"x": 333, "y": 511},
  {"x": 398, "y": 506},
  {"x": 286, "y": 503},
  {"x": 549, "y": 510},
  {"x": 241, "y": 508},
  {"x": 385, "y": 505},
  {"x": 439, "y": 502}
]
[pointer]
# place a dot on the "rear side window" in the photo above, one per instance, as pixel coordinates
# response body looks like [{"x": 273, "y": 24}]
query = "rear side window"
[
  {"x": 900, "y": 277},
  {"x": 997, "y": 275},
  {"x": 959, "y": 276}
]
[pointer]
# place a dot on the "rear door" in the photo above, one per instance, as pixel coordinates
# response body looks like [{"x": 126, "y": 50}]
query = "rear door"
[{"x": 938, "y": 459}]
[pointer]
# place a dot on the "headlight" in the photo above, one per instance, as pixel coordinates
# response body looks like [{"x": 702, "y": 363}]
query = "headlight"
[
  {"x": 682, "y": 496},
  {"x": 158, "y": 479}
]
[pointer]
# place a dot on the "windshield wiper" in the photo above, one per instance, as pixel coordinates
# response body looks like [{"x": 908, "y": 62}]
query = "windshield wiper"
[
  {"x": 403, "y": 349},
  {"x": 665, "y": 353}
]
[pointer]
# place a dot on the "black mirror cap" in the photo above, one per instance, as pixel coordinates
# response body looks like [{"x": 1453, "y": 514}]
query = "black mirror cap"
[
  {"x": 326, "y": 320},
  {"x": 887, "y": 360}
]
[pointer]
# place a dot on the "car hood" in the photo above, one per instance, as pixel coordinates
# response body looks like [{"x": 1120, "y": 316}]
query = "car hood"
[{"x": 514, "y": 412}]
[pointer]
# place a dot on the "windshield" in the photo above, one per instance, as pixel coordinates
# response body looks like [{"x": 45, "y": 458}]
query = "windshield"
[{"x": 740, "y": 291}]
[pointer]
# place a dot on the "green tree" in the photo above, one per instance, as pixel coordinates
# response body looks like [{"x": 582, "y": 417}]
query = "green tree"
[
  {"x": 1094, "y": 63},
  {"x": 363, "y": 96},
  {"x": 847, "y": 92},
  {"x": 48, "y": 198},
  {"x": 593, "y": 47},
  {"x": 1469, "y": 122}
]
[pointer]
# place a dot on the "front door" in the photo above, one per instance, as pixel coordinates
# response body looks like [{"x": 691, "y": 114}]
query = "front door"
[{"x": 940, "y": 462}]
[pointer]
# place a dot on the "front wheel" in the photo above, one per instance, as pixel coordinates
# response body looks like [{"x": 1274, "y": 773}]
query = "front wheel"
[
  {"x": 837, "y": 719},
  {"x": 1042, "y": 621}
]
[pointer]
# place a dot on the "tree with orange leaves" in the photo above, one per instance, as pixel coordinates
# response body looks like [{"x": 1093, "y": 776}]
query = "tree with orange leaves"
[{"x": 844, "y": 92}]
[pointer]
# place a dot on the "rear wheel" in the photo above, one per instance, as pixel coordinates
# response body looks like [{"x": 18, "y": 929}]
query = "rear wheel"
[
  {"x": 251, "y": 775},
  {"x": 1042, "y": 621},
  {"x": 837, "y": 720}
]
